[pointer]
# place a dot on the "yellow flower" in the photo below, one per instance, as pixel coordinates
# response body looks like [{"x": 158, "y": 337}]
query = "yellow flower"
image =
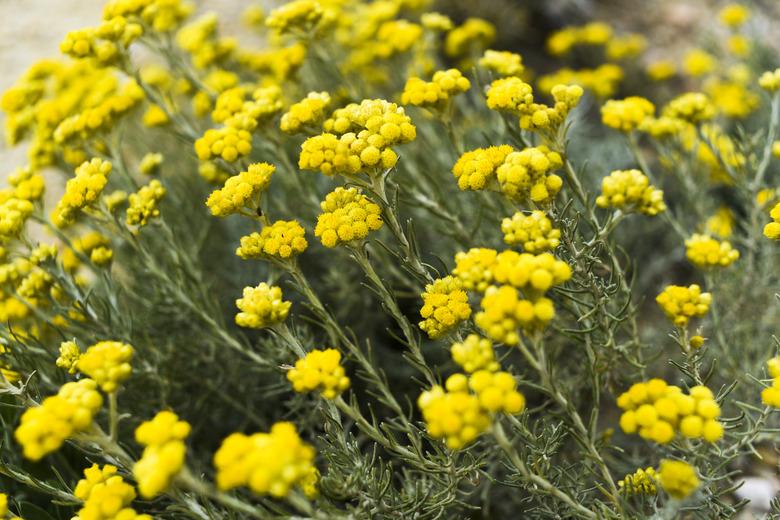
[
  {"x": 143, "y": 204},
  {"x": 693, "y": 107},
  {"x": 534, "y": 232},
  {"x": 150, "y": 163},
  {"x": 69, "y": 356},
  {"x": 641, "y": 482},
  {"x": 734, "y": 15},
  {"x": 454, "y": 415},
  {"x": 626, "y": 46},
  {"x": 298, "y": 15},
  {"x": 82, "y": 190},
  {"x": 13, "y": 216},
  {"x": 534, "y": 274},
  {"x": 626, "y": 114},
  {"x": 661, "y": 70},
  {"x": 475, "y": 170},
  {"x": 227, "y": 142},
  {"x": 261, "y": 307},
  {"x": 474, "y": 35},
  {"x": 497, "y": 392},
  {"x": 348, "y": 216},
  {"x": 527, "y": 174},
  {"x": 503, "y": 63},
  {"x": 504, "y": 313},
  {"x": 770, "y": 81},
  {"x": 438, "y": 22},
  {"x": 770, "y": 396},
  {"x": 281, "y": 240},
  {"x": 44, "y": 428},
  {"x": 27, "y": 184},
  {"x": 677, "y": 478},
  {"x": 436, "y": 93},
  {"x": 320, "y": 370},
  {"x": 241, "y": 191},
  {"x": 475, "y": 353},
  {"x": 307, "y": 113},
  {"x": 445, "y": 306},
  {"x": 698, "y": 62},
  {"x": 772, "y": 230},
  {"x": 106, "y": 495},
  {"x": 682, "y": 303},
  {"x": 164, "y": 452},
  {"x": 630, "y": 190},
  {"x": 474, "y": 268},
  {"x": 704, "y": 251},
  {"x": 107, "y": 363},
  {"x": 721, "y": 223},
  {"x": 268, "y": 463}
]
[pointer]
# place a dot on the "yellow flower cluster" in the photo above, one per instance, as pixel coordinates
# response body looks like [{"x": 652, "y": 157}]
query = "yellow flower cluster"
[
  {"x": 436, "y": 22},
  {"x": 698, "y": 62},
  {"x": 692, "y": 107},
  {"x": 732, "y": 98},
  {"x": 626, "y": 114},
  {"x": 721, "y": 223},
  {"x": 142, "y": 205},
  {"x": 103, "y": 43},
  {"x": 44, "y": 428},
  {"x": 474, "y": 268},
  {"x": 306, "y": 113},
  {"x": 348, "y": 216},
  {"x": 445, "y": 306},
  {"x": 680, "y": 303},
  {"x": 734, "y": 15},
  {"x": 475, "y": 169},
  {"x": 678, "y": 478},
  {"x": 626, "y": 46},
  {"x": 657, "y": 411},
  {"x": 298, "y": 15},
  {"x": 150, "y": 163},
  {"x": 107, "y": 363},
  {"x": 661, "y": 70},
  {"x": 268, "y": 463},
  {"x": 436, "y": 93},
  {"x": 164, "y": 452},
  {"x": 282, "y": 240},
  {"x": 475, "y": 353},
  {"x": 13, "y": 216},
  {"x": 503, "y": 63},
  {"x": 504, "y": 312},
  {"x": 358, "y": 138},
  {"x": 770, "y": 80},
  {"x": 106, "y": 495},
  {"x": 69, "y": 356},
  {"x": 641, "y": 482},
  {"x": 82, "y": 190},
  {"x": 95, "y": 246},
  {"x": 226, "y": 142},
  {"x": 527, "y": 174},
  {"x": 473, "y": 35},
  {"x": 320, "y": 371},
  {"x": 514, "y": 95},
  {"x": 630, "y": 190},
  {"x": 534, "y": 232},
  {"x": 261, "y": 307},
  {"x": 603, "y": 81},
  {"x": 462, "y": 410},
  {"x": 704, "y": 251},
  {"x": 564, "y": 40},
  {"x": 772, "y": 230},
  {"x": 27, "y": 185},
  {"x": 161, "y": 15},
  {"x": 200, "y": 39},
  {"x": 241, "y": 191},
  {"x": 771, "y": 396}
]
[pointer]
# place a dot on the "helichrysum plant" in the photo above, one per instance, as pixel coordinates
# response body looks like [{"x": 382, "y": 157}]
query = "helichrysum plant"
[{"x": 377, "y": 267}]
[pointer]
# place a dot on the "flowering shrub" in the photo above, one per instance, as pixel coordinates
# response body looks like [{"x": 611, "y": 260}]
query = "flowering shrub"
[{"x": 377, "y": 267}]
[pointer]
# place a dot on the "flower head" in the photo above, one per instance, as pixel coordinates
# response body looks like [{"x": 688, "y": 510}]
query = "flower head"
[
  {"x": 320, "y": 370},
  {"x": 261, "y": 307}
]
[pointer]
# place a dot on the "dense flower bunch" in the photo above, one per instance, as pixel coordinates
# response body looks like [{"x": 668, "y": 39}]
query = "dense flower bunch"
[
  {"x": 706, "y": 252},
  {"x": 641, "y": 482},
  {"x": 143, "y": 204},
  {"x": 107, "y": 363},
  {"x": 527, "y": 174},
  {"x": 658, "y": 411},
  {"x": 693, "y": 107},
  {"x": 474, "y": 268},
  {"x": 445, "y": 306},
  {"x": 534, "y": 232},
  {"x": 474, "y": 353},
  {"x": 461, "y": 411},
  {"x": 626, "y": 114},
  {"x": 358, "y": 139},
  {"x": 437, "y": 92},
  {"x": 770, "y": 396},
  {"x": 268, "y": 463},
  {"x": 261, "y": 307},
  {"x": 680, "y": 303},
  {"x": 241, "y": 191},
  {"x": 164, "y": 452},
  {"x": 515, "y": 96},
  {"x": 282, "y": 240},
  {"x": 227, "y": 143},
  {"x": 106, "y": 495},
  {"x": 678, "y": 478},
  {"x": 348, "y": 216},
  {"x": 503, "y": 63},
  {"x": 306, "y": 113},
  {"x": 476, "y": 169},
  {"x": 630, "y": 190},
  {"x": 83, "y": 190},
  {"x": 42, "y": 429},
  {"x": 320, "y": 370},
  {"x": 772, "y": 230}
]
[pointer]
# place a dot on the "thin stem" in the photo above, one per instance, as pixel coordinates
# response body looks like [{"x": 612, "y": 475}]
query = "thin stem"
[{"x": 113, "y": 417}]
